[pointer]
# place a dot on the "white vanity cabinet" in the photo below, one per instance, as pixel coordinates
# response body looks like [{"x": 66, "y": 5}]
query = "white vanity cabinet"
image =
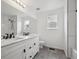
[
  {"x": 14, "y": 51},
  {"x": 32, "y": 47},
  {"x": 25, "y": 49}
]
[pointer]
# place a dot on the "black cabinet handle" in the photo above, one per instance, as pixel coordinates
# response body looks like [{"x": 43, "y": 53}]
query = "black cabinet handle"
[
  {"x": 24, "y": 50},
  {"x": 30, "y": 47},
  {"x": 34, "y": 43},
  {"x": 30, "y": 56},
  {"x": 75, "y": 10}
]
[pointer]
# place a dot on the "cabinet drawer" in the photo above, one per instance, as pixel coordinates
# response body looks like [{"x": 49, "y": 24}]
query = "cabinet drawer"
[
  {"x": 36, "y": 42},
  {"x": 32, "y": 52},
  {"x": 31, "y": 43},
  {"x": 12, "y": 48},
  {"x": 30, "y": 55},
  {"x": 17, "y": 54},
  {"x": 29, "y": 46}
]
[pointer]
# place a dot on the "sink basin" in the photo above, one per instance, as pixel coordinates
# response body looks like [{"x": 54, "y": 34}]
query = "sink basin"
[{"x": 21, "y": 37}]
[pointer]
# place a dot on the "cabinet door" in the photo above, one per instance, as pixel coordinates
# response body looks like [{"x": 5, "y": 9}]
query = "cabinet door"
[
  {"x": 13, "y": 52},
  {"x": 18, "y": 54}
]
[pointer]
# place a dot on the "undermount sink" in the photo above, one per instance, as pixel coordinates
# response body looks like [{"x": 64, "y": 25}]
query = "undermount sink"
[
  {"x": 26, "y": 34},
  {"x": 21, "y": 37}
]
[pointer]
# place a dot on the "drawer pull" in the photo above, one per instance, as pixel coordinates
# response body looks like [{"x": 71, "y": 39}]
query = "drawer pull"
[
  {"x": 30, "y": 47},
  {"x": 24, "y": 50},
  {"x": 34, "y": 43},
  {"x": 30, "y": 56}
]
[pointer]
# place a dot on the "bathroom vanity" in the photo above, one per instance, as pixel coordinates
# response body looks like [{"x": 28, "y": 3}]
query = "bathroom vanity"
[{"x": 20, "y": 48}]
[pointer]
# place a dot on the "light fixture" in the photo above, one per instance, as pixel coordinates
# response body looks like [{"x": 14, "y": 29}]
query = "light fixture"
[
  {"x": 20, "y": 3},
  {"x": 27, "y": 22}
]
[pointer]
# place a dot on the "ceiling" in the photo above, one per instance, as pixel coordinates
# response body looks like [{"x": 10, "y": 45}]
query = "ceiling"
[{"x": 44, "y": 5}]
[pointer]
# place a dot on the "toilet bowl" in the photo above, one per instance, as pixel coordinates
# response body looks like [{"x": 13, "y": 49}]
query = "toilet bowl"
[{"x": 41, "y": 43}]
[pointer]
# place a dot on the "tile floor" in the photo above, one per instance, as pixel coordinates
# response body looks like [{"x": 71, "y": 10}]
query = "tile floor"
[{"x": 46, "y": 53}]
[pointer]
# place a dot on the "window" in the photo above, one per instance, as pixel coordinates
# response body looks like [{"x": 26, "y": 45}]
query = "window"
[{"x": 52, "y": 22}]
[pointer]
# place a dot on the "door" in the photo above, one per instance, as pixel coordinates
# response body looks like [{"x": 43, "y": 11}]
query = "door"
[{"x": 71, "y": 25}]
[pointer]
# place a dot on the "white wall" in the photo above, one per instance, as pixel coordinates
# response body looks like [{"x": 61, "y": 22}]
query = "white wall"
[{"x": 52, "y": 38}]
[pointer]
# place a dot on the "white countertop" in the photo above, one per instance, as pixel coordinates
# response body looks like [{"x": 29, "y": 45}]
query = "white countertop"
[{"x": 6, "y": 42}]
